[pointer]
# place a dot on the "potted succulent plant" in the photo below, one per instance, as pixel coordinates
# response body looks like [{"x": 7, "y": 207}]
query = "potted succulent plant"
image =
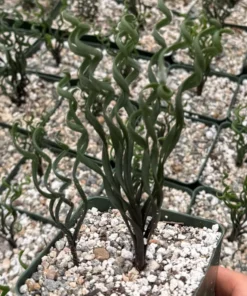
[{"x": 132, "y": 248}]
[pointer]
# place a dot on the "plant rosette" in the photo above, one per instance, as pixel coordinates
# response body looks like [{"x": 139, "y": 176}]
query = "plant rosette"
[
  {"x": 182, "y": 258},
  {"x": 206, "y": 204}
]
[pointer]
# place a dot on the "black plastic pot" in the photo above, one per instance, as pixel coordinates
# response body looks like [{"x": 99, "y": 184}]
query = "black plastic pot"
[{"x": 207, "y": 285}]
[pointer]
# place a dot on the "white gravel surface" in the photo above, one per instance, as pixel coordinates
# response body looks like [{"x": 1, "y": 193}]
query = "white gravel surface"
[
  {"x": 186, "y": 160},
  {"x": 8, "y": 155},
  {"x": 238, "y": 15},
  {"x": 223, "y": 160},
  {"x": 10, "y": 6},
  {"x": 32, "y": 239},
  {"x": 177, "y": 257},
  {"x": 233, "y": 254},
  {"x": 215, "y": 99},
  {"x": 176, "y": 200},
  {"x": 39, "y": 100}
]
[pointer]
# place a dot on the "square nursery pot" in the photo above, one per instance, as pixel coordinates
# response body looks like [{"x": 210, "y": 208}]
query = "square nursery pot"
[{"x": 207, "y": 284}]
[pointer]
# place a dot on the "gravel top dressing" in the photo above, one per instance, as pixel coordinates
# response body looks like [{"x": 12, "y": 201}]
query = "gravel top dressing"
[
  {"x": 216, "y": 95},
  {"x": 177, "y": 258},
  {"x": 233, "y": 254},
  {"x": 223, "y": 160},
  {"x": 237, "y": 14},
  {"x": 32, "y": 239},
  {"x": 187, "y": 158},
  {"x": 8, "y": 156},
  {"x": 176, "y": 200},
  {"x": 40, "y": 98},
  {"x": 9, "y": 6}
]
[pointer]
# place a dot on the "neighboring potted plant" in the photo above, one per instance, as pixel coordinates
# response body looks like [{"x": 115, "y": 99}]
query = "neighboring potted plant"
[
  {"x": 237, "y": 205},
  {"x": 13, "y": 64},
  {"x": 125, "y": 186},
  {"x": 240, "y": 130}
]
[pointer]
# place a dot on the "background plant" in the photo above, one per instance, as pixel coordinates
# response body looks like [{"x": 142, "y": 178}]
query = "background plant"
[
  {"x": 54, "y": 39},
  {"x": 87, "y": 9},
  {"x": 218, "y": 9},
  {"x": 239, "y": 128},
  {"x": 9, "y": 224},
  {"x": 237, "y": 205},
  {"x": 139, "y": 9},
  {"x": 123, "y": 185},
  {"x": 13, "y": 46},
  {"x": 200, "y": 25}
]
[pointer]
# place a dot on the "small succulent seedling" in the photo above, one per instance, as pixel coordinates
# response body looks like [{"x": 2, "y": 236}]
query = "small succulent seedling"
[
  {"x": 13, "y": 46},
  {"x": 237, "y": 205},
  {"x": 239, "y": 128},
  {"x": 218, "y": 9},
  {"x": 138, "y": 8},
  {"x": 200, "y": 25},
  {"x": 54, "y": 39},
  {"x": 9, "y": 224}
]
